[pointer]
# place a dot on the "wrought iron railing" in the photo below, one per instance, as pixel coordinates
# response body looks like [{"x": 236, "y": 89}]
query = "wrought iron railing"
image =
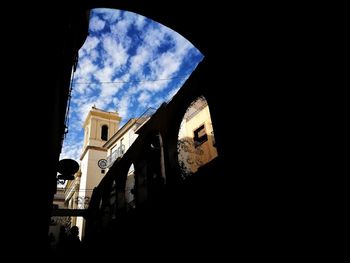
[
  {"x": 115, "y": 154},
  {"x": 195, "y": 108},
  {"x": 144, "y": 117},
  {"x": 82, "y": 202}
]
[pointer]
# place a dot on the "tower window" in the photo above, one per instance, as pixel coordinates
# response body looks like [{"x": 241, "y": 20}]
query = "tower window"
[
  {"x": 104, "y": 132},
  {"x": 200, "y": 136}
]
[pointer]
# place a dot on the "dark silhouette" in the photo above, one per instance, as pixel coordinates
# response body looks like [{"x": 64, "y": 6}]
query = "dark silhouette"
[
  {"x": 62, "y": 237},
  {"x": 51, "y": 241},
  {"x": 69, "y": 244},
  {"x": 73, "y": 242},
  {"x": 268, "y": 137},
  {"x": 51, "y": 238}
]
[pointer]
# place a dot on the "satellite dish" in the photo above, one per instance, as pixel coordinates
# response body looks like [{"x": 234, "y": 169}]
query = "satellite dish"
[{"x": 67, "y": 168}]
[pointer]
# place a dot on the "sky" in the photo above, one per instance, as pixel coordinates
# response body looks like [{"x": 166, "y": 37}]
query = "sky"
[{"x": 127, "y": 64}]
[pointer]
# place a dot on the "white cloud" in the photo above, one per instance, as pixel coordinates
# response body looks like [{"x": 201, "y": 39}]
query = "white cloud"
[
  {"x": 104, "y": 74},
  {"x": 74, "y": 126},
  {"x": 157, "y": 102},
  {"x": 121, "y": 28},
  {"x": 123, "y": 106},
  {"x": 182, "y": 45},
  {"x": 142, "y": 56},
  {"x": 144, "y": 98},
  {"x": 115, "y": 54},
  {"x": 140, "y": 22},
  {"x": 107, "y": 93},
  {"x": 173, "y": 92},
  {"x": 128, "y": 19},
  {"x": 115, "y": 101},
  {"x": 111, "y": 15},
  {"x": 85, "y": 69},
  {"x": 167, "y": 64},
  {"x": 155, "y": 86},
  {"x": 162, "y": 71},
  {"x": 90, "y": 44},
  {"x": 84, "y": 110},
  {"x": 80, "y": 88},
  {"x": 154, "y": 36},
  {"x": 71, "y": 150},
  {"x": 94, "y": 55},
  {"x": 164, "y": 67},
  {"x": 96, "y": 24},
  {"x": 109, "y": 90},
  {"x": 105, "y": 57},
  {"x": 133, "y": 89},
  {"x": 83, "y": 106}
]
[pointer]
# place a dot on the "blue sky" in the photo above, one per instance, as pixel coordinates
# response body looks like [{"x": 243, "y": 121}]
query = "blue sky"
[{"x": 127, "y": 64}]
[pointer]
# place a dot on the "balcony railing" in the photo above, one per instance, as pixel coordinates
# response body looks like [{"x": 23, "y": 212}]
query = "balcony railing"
[
  {"x": 144, "y": 117},
  {"x": 115, "y": 154},
  {"x": 195, "y": 108}
]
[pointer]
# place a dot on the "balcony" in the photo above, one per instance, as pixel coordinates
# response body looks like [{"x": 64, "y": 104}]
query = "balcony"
[
  {"x": 115, "y": 154},
  {"x": 144, "y": 117}
]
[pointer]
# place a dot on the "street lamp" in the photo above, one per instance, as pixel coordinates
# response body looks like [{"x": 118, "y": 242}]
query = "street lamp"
[{"x": 67, "y": 168}]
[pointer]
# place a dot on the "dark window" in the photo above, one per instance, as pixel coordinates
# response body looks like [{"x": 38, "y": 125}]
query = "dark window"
[
  {"x": 104, "y": 132},
  {"x": 122, "y": 146},
  {"x": 200, "y": 136}
]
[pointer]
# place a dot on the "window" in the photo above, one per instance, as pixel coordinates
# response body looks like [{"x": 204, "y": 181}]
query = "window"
[
  {"x": 200, "y": 136},
  {"x": 104, "y": 132},
  {"x": 122, "y": 147}
]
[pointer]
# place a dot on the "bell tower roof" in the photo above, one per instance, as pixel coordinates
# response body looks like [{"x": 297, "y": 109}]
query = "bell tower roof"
[
  {"x": 99, "y": 126},
  {"x": 95, "y": 112}
]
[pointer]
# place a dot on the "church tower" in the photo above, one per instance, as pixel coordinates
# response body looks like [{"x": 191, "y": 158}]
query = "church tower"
[{"x": 99, "y": 126}]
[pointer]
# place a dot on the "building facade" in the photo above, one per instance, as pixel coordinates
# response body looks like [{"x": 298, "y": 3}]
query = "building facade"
[
  {"x": 99, "y": 126},
  {"x": 105, "y": 144},
  {"x": 196, "y": 142},
  {"x": 117, "y": 146},
  {"x": 57, "y": 222},
  {"x": 119, "y": 143}
]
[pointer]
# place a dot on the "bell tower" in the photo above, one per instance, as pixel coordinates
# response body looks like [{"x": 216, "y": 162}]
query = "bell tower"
[{"x": 99, "y": 126}]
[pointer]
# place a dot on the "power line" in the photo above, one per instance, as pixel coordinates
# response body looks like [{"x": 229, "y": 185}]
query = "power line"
[{"x": 113, "y": 82}]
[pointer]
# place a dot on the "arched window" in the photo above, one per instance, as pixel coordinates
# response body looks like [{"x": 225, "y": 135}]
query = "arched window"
[
  {"x": 104, "y": 133},
  {"x": 130, "y": 188}
]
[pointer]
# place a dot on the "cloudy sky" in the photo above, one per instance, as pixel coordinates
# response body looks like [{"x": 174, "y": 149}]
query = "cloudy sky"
[{"x": 127, "y": 64}]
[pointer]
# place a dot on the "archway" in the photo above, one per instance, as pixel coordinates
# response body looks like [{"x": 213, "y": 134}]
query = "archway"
[
  {"x": 127, "y": 64},
  {"x": 130, "y": 189},
  {"x": 196, "y": 142}
]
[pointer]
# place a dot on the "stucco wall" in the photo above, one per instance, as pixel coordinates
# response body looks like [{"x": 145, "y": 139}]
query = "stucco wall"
[{"x": 192, "y": 156}]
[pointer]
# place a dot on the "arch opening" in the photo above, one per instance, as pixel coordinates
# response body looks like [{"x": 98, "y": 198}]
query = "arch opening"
[
  {"x": 104, "y": 133},
  {"x": 196, "y": 140},
  {"x": 128, "y": 63},
  {"x": 130, "y": 189}
]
